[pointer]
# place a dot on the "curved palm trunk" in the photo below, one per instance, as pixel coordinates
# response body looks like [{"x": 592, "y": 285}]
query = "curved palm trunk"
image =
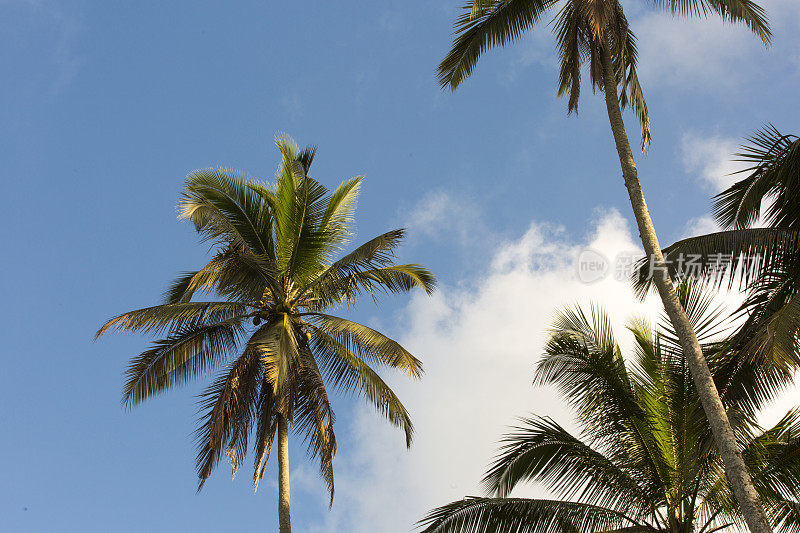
[
  {"x": 284, "y": 520},
  {"x": 737, "y": 472}
]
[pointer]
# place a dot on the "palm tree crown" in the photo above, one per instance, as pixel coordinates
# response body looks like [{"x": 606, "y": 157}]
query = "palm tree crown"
[
  {"x": 645, "y": 460},
  {"x": 583, "y": 30},
  {"x": 270, "y": 330}
]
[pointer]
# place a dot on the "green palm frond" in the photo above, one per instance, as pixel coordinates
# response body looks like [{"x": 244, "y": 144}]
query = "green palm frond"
[
  {"x": 314, "y": 419},
  {"x": 230, "y": 405},
  {"x": 489, "y": 515},
  {"x": 179, "y": 289},
  {"x": 266, "y": 428},
  {"x": 348, "y": 373},
  {"x": 368, "y": 268},
  {"x": 726, "y": 257},
  {"x": 337, "y": 219},
  {"x": 774, "y": 456},
  {"x": 584, "y": 362},
  {"x": 368, "y": 344},
  {"x": 483, "y": 25},
  {"x": 172, "y": 317},
  {"x": 774, "y": 171},
  {"x": 541, "y": 450},
  {"x": 233, "y": 272},
  {"x": 225, "y": 210},
  {"x": 374, "y": 282},
  {"x": 582, "y": 359},
  {"x": 786, "y": 515},
  {"x": 746, "y": 12},
  {"x": 188, "y": 352}
]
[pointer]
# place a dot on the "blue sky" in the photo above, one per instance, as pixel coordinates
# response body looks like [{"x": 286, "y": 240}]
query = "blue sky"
[{"x": 105, "y": 108}]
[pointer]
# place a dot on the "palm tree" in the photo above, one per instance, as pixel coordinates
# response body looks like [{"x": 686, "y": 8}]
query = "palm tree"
[
  {"x": 270, "y": 329},
  {"x": 645, "y": 460},
  {"x": 766, "y": 259},
  {"x": 596, "y": 33}
]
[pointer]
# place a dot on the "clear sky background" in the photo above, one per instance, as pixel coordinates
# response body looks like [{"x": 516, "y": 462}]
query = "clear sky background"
[{"x": 105, "y": 107}]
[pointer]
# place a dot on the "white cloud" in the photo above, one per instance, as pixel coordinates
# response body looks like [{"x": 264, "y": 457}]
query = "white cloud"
[
  {"x": 702, "y": 225},
  {"x": 441, "y": 215},
  {"x": 710, "y": 160}
]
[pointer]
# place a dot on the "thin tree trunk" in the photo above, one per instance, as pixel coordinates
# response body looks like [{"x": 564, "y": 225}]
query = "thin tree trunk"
[
  {"x": 738, "y": 475},
  {"x": 283, "y": 476}
]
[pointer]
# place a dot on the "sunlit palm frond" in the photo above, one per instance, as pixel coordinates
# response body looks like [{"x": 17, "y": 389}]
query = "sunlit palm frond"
[
  {"x": 225, "y": 210},
  {"x": 582, "y": 359},
  {"x": 337, "y": 220},
  {"x": 172, "y": 317},
  {"x": 368, "y": 344},
  {"x": 348, "y": 373}
]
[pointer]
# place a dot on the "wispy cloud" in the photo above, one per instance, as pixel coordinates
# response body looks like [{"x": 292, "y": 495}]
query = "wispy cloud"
[
  {"x": 711, "y": 160},
  {"x": 442, "y": 215}
]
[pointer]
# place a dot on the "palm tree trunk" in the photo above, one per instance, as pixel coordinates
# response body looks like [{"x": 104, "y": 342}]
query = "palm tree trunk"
[
  {"x": 284, "y": 520},
  {"x": 738, "y": 475}
]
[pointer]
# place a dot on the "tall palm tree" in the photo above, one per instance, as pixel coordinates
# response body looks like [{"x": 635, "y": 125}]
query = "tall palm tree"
[
  {"x": 596, "y": 33},
  {"x": 645, "y": 460},
  {"x": 766, "y": 259},
  {"x": 270, "y": 330}
]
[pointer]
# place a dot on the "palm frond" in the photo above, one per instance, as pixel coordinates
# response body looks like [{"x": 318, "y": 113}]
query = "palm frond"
[
  {"x": 773, "y": 174},
  {"x": 230, "y": 407},
  {"x": 225, "y": 210},
  {"x": 189, "y": 351},
  {"x": 338, "y": 216},
  {"x": 747, "y": 12},
  {"x": 368, "y": 344},
  {"x": 314, "y": 418},
  {"x": 489, "y": 515},
  {"x": 348, "y": 373},
  {"x": 172, "y": 317},
  {"x": 483, "y": 25},
  {"x": 541, "y": 450},
  {"x": 735, "y": 256},
  {"x": 266, "y": 429}
]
